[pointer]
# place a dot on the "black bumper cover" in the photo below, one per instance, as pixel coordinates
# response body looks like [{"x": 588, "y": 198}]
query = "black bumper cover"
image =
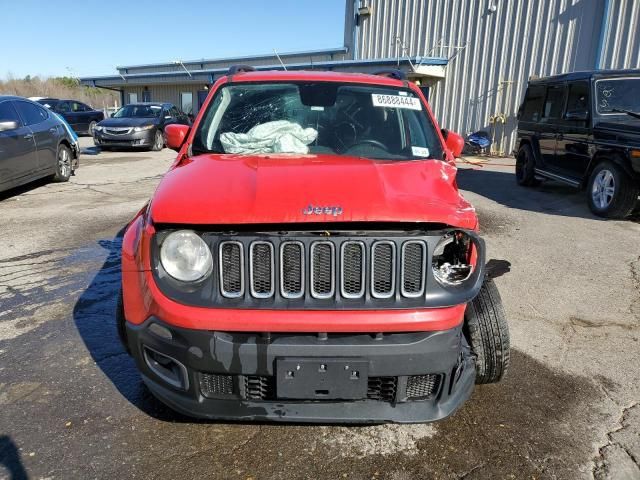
[{"x": 400, "y": 355}]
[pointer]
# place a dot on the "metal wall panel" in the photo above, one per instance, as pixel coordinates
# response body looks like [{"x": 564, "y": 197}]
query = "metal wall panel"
[
  {"x": 621, "y": 46},
  {"x": 521, "y": 38}
]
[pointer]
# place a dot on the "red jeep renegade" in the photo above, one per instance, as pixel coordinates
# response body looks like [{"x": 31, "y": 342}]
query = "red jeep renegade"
[{"x": 308, "y": 258}]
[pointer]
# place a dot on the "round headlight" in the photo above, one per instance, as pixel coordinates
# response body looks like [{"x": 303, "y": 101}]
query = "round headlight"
[
  {"x": 451, "y": 261},
  {"x": 185, "y": 256}
]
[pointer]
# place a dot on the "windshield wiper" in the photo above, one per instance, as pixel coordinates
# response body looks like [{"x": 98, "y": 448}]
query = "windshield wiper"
[{"x": 628, "y": 112}]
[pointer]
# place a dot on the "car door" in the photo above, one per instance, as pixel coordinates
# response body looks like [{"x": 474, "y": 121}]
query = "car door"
[
  {"x": 46, "y": 131},
  {"x": 549, "y": 124},
  {"x": 82, "y": 114},
  {"x": 64, "y": 109},
  {"x": 572, "y": 150},
  {"x": 18, "y": 157}
]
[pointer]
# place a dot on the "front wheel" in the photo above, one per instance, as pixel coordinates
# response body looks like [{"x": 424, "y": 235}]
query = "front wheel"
[
  {"x": 525, "y": 167},
  {"x": 611, "y": 193},
  {"x": 158, "y": 141},
  {"x": 486, "y": 329},
  {"x": 63, "y": 165},
  {"x": 92, "y": 127}
]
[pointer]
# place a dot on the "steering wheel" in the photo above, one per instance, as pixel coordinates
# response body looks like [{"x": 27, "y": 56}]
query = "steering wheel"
[{"x": 369, "y": 141}]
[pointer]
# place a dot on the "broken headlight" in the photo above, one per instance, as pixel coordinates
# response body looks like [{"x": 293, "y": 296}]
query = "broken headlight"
[
  {"x": 185, "y": 256},
  {"x": 452, "y": 261}
]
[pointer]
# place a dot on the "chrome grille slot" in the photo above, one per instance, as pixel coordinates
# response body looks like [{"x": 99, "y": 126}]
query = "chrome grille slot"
[
  {"x": 292, "y": 269},
  {"x": 383, "y": 269},
  {"x": 352, "y": 276},
  {"x": 413, "y": 268},
  {"x": 322, "y": 269},
  {"x": 231, "y": 260},
  {"x": 261, "y": 269}
]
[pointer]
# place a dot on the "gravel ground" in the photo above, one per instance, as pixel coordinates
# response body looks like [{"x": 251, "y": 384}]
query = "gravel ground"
[{"x": 72, "y": 404}]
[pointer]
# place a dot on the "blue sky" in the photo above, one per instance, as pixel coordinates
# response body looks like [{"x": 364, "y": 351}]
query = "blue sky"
[{"x": 63, "y": 37}]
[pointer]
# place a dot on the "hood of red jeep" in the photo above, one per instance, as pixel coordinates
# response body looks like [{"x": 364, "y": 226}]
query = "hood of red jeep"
[{"x": 234, "y": 189}]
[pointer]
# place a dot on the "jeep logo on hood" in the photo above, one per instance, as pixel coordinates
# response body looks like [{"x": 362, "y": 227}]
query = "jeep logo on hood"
[{"x": 322, "y": 210}]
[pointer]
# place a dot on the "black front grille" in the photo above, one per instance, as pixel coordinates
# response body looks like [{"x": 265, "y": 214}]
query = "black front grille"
[
  {"x": 318, "y": 271},
  {"x": 382, "y": 388},
  {"x": 213, "y": 385},
  {"x": 258, "y": 387},
  {"x": 422, "y": 387}
]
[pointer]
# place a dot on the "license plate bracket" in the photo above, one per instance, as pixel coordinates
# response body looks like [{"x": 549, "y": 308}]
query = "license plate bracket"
[{"x": 303, "y": 378}]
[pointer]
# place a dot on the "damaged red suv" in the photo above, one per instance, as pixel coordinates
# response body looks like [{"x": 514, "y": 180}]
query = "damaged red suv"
[{"x": 308, "y": 257}]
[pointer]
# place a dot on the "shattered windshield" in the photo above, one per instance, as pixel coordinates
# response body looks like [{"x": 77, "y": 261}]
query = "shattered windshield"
[
  {"x": 618, "y": 95},
  {"x": 318, "y": 118}
]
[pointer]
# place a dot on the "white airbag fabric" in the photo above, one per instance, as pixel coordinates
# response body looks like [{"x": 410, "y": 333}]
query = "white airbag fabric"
[{"x": 280, "y": 136}]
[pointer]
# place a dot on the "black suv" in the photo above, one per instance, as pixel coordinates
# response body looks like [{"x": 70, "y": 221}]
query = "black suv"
[{"x": 583, "y": 129}]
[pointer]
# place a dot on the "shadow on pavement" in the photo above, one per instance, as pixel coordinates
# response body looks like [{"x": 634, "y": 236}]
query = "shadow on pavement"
[
  {"x": 94, "y": 316},
  {"x": 14, "y": 192},
  {"x": 90, "y": 150},
  {"x": 551, "y": 198},
  {"x": 10, "y": 459}
]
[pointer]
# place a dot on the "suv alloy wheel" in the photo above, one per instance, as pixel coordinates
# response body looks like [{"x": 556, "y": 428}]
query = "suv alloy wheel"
[{"x": 611, "y": 193}]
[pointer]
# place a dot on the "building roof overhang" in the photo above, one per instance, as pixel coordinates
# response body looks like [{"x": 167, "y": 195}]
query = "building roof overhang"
[{"x": 414, "y": 66}]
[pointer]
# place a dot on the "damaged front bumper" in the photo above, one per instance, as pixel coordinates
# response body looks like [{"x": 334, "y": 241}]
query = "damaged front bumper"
[{"x": 404, "y": 377}]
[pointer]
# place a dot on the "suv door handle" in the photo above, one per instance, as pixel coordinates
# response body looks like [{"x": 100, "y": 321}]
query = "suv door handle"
[
  {"x": 53, "y": 129},
  {"x": 28, "y": 136}
]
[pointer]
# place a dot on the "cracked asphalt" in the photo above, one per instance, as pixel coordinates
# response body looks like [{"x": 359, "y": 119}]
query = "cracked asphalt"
[{"x": 72, "y": 404}]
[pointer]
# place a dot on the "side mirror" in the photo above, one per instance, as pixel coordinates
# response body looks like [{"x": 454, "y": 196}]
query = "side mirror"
[
  {"x": 576, "y": 115},
  {"x": 453, "y": 141},
  {"x": 175, "y": 134},
  {"x": 8, "y": 125}
]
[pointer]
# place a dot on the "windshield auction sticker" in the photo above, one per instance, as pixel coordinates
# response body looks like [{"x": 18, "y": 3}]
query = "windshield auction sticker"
[{"x": 396, "y": 101}]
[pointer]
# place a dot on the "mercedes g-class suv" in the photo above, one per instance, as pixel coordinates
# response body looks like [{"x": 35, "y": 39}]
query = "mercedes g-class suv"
[
  {"x": 308, "y": 257},
  {"x": 583, "y": 129}
]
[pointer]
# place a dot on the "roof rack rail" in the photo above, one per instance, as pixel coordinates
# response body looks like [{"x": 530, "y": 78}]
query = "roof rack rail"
[
  {"x": 391, "y": 73},
  {"x": 233, "y": 69}
]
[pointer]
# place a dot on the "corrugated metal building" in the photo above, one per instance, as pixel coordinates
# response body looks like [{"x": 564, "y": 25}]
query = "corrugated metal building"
[
  {"x": 475, "y": 55},
  {"x": 494, "y": 46}
]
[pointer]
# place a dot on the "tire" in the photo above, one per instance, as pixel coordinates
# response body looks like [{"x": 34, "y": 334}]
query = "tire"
[
  {"x": 158, "y": 141},
  {"x": 91, "y": 128},
  {"x": 611, "y": 192},
  {"x": 486, "y": 329},
  {"x": 120, "y": 323},
  {"x": 63, "y": 164},
  {"x": 525, "y": 167}
]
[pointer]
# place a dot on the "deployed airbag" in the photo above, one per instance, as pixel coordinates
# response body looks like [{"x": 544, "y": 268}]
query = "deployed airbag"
[{"x": 280, "y": 136}]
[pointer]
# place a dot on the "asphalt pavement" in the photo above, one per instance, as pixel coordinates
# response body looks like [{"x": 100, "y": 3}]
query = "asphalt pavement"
[{"x": 72, "y": 404}]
